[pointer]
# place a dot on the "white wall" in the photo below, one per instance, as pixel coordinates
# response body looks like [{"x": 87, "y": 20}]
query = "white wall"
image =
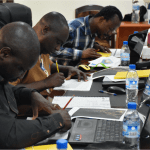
[{"x": 67, "y": 7}]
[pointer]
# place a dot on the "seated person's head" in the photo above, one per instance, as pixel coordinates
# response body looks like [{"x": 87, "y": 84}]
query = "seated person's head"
[
  {"x": 52, "y": 31},
  {"x": 108, "y": 146},
  {"x": 19, "y": 50},
  {"x": 106, "y": 21}
]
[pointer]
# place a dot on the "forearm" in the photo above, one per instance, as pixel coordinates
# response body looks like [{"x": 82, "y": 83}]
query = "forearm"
[
  {"x": 63, "y": 69},
  {"x": 25, "y": 133},
  {"x": 70, "y": 53},
  {"x": 39, "y": 85}
]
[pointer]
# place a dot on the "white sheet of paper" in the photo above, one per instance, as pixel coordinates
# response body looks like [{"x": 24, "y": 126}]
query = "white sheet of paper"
[
  {"x": 145, "y": 52},
  {"x": 74, "y": 85},
  {"x": 75, "y": 109},
  {"x": 114, "y": 62},
  {"x": 111, "y": 78},
  {"x": 115, "y": 52},
  {"x": 82, "y": 102}
]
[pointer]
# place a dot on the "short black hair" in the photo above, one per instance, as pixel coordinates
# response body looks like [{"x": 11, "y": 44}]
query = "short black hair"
[
  {"x": 54, "y": 20},
  {"x": 109, "y": 12}
]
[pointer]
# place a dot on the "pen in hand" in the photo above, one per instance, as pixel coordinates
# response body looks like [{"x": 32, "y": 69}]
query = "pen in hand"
[
  {"x": 68, "y": 102},
  {"x": 108, "y": 92},
  {"x": 57, "y": 66}
]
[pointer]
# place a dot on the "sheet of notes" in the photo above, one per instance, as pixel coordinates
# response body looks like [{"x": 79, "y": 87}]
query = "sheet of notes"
[{"x": 74, "y": 85}]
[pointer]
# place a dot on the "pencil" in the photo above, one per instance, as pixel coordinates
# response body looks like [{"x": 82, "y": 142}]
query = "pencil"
[
  {"x": 68, "y": 102},
  {"x": 57, "y": 66}
]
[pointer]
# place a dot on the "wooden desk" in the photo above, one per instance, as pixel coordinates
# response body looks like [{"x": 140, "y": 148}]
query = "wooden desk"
[{"x": 127, "y": 28}]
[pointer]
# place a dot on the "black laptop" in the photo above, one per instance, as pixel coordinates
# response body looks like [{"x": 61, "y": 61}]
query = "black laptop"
[{"x": 88, "y": 131}]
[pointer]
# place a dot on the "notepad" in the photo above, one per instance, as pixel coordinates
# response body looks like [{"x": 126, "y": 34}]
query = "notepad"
[
  {"x": 141, "y": 74},
  {"x": 46, "y": 147}
]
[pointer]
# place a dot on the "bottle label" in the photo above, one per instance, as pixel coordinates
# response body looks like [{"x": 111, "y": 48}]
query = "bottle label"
[
  {"x": 125, "y": 56},
  {"x": 131, "y": 84},
  {"x": 136, "y": 7},
  {"x": 147, "y": 89},
  {"x": 131, "y": 131}
]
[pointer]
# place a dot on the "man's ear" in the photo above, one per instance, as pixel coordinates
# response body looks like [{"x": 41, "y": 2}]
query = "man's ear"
[
  {"x": 45, "y": 29},
  {"x": 5, "y": 52},
  {"x": 101, "y": 19}
]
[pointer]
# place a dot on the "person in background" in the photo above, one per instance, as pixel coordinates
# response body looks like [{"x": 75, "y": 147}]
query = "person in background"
[
  {"x": 82, "y": 33},
  {"x": 19, "y": 51},
  {"x": 52, "y": 31}
]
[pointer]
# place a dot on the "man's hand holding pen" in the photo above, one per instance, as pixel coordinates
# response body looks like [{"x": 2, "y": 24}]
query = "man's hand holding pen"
[{"x": 101, "y": 48}]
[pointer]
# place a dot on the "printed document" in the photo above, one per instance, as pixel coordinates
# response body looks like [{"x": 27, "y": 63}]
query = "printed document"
[
  {"x": 107, "y": 61},
  {"x": 82, "y": 102}
]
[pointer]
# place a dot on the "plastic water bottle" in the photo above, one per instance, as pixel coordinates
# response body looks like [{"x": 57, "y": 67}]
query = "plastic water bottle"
[
  {"x": 148, "y": 10},
  {"x": 125, "y": 54},
  {"x": 131, "y": 127},
  {"x": 132, "y": 85},
  {"x": 61, "y": 144},
  {"x": 146, "y": 92},
  {"x": 135, "y": 12}
]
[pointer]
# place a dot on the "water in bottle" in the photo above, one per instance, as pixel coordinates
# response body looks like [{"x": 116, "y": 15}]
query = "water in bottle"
[
  {"x": 125, "y": 54},
  {"x": 135, "y": 12},
  {"x": 132, "y": 85},
  {"x": 61, "y": 144},
  {"x": 146, "y": 92},
  {"x": 131, "y": 127}
]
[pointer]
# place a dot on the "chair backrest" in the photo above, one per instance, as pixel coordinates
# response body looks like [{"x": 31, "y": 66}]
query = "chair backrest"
[
  {"x": 11, "y": 12},
  {"x": 87, "y": 10}
]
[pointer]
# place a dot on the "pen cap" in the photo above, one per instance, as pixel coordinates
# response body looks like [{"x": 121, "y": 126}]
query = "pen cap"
[{"x": 61, "y": 144}]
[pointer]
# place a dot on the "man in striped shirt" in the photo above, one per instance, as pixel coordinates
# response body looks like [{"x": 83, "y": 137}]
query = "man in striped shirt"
[{"x": 82, "y": 33}]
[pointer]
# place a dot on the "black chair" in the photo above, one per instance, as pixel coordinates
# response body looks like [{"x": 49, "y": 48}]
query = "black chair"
[{"x": 11, "y": 12}]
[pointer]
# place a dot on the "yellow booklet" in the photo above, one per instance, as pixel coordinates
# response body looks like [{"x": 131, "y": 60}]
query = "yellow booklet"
[
  {"x": 141, "y": 74},
  {"x": 104, "y": 54},
  {"x": 46, "y": 147}
]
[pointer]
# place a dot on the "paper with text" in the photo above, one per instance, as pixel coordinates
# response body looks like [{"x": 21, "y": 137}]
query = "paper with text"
[{"x": 82, "y": 102}]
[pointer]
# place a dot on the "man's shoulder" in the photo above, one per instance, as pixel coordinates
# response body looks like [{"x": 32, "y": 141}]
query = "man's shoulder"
[{"x": 76, "y": 23}]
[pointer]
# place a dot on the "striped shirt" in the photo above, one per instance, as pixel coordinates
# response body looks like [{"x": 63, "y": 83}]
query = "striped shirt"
[{"x": 80, "y": 38}]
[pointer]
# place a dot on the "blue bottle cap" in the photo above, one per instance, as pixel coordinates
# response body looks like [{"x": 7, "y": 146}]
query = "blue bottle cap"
[
  {"x": 61, "y": 144},
  {"x": 132, "y": 66},
  {"x": 131, "y": 105},
  {"x": 136, "y": 32},
  {"x": 125, "y": 42}
]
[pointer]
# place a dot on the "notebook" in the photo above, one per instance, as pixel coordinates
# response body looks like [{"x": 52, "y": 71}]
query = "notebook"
[
  {"x": 46, "y": 147},
  {"x": 141, "y": 74}
]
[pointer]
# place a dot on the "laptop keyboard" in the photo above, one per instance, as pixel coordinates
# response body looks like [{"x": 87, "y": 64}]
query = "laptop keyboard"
[{"x": 108, "y": 130}]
